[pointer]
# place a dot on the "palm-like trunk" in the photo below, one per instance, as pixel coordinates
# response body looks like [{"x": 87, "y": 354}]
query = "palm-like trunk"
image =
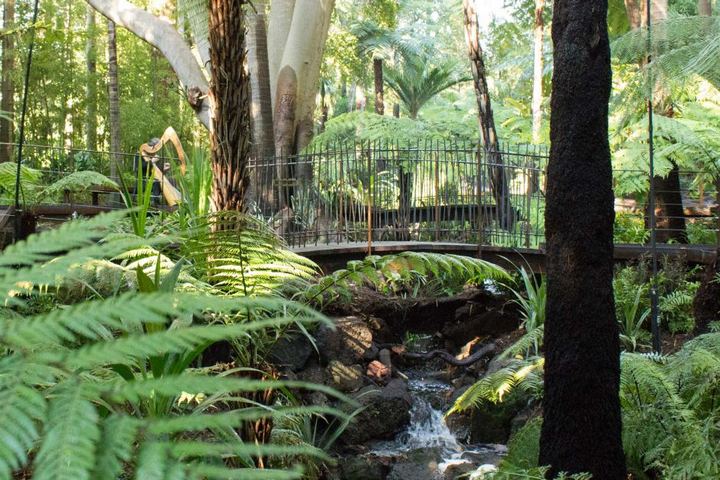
[
  {"x": 91, "y": 85},
  {"x": 379, "y": 87},
  {"x": 113, "y": 98},
  {"x": 261, "y": 106},
  {"x": 539, "y": 37},
  {"x": 498, "y": 177},
  {"x": 581, "y": 429},
  {"x": 7, "y": 89},
  {"x": 230, "y": 133}
]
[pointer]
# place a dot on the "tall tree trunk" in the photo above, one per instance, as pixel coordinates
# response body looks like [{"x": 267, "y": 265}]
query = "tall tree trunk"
[
  {"x": 539, "y": 37},
  {"x": 635, "y": 9},
  {"x": 379, "y": 87},
  {"x": 499, "y": 182},
  {"x": 671, "y": 225},
  {"x": 705, "y": 7},
  {"x": 113, "y": 99},
  {"x": 230, "y": 132},
  {"x": 581, "y": 430},
  {"x": 261, "y": 106},
  {"x": 7, "y": 88},
  {"x": 91, "y": 85}
]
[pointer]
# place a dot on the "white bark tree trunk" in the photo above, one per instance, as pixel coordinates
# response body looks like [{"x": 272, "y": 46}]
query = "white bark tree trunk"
[
  {"x": 163, "y": 36},
  {"x": 281, "y": 17}
]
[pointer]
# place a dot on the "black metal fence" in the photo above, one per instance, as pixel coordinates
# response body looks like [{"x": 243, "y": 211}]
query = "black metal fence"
[
  {"x": 383, "y": 191},
  {"x": 430, "y": 191}
]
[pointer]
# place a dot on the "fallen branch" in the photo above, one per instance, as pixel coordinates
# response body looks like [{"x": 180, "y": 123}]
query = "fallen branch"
[{"x": 486, "y": 351}]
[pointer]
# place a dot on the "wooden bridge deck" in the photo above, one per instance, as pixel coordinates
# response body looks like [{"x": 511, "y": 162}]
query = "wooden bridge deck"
[{"x": 335, "y": 256}]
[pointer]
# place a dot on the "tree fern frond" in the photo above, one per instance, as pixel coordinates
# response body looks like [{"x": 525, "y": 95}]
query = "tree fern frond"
[
  {"x": 71, "y": 437},
  {"x": 119, "y": 433}
]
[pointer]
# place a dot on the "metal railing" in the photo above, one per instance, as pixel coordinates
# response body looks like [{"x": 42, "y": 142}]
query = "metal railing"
[
  {"x": 381, "y": 191},
  {"x": 431, "y": 191}
]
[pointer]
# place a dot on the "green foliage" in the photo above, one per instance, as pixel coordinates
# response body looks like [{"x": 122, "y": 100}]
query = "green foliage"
[
  {"x": 532, "y": 310},
  {"x": 76, "y": 383},
  {"x": 416, "y": 81},
  {"x": 632, "y": 322},
  {"x": 195, "y": 187},
  {"x": 240, "y": 255},
  {"x": 630, "y": 228},
  {"x": 676, "y": 289},
  {"x": 524, "y": 375},
  {"x": 361, "y": 126},
  {"x": 669, "y": 411},
  {"x": 77, "y": 182},
  {"x": 29, "y": 183},
  {"x": 139, "y": 202},
  {"x": 410, "y": 274}
]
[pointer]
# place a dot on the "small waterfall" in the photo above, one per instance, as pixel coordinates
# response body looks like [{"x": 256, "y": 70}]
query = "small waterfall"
[{"x": 427, "y": 429}]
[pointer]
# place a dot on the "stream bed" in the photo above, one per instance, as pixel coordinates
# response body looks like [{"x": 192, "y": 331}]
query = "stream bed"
[{"x": 427, "y": 448}]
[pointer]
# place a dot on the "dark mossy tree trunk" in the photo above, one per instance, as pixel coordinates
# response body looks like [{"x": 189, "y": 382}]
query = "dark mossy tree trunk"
[
  {"x": 669, "y": 211},
  {"x": 379, "y": 87},
  {"x": 582, "y": 422},
  {"x": 230, "y": 132}
]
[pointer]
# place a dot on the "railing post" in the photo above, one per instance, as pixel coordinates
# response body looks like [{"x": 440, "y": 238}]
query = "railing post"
[
  {"x": 437, "y": 197},
  {"x": 529, "y": 174},
  {"x": 341, "y": 198},
  {"x": 370, "y": 202},
  {"x": 480, "y": 214}
]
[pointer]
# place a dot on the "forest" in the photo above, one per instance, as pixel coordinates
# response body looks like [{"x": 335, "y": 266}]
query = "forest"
[{"x": 359, "y": 240}]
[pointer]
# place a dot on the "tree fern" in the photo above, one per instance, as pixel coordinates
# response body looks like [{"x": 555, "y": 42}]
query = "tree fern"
[
  {"x": 525, "y": 375},
  {"x": 75, "y": 382},
  {"x": 401, "y": 273}
]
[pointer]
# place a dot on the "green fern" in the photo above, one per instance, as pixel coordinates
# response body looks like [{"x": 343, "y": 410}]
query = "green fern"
[
  {"x": 525, "y": 374},
  {"x": 403, "y": 274},
  {"x": 75, "y": 382},
  {"x": 77, "y": 182}
]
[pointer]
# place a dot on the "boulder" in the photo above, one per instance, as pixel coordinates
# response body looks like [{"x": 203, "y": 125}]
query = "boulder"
[
  {"x": 492, "y": 422},
  {"x": 350, "y": 342},
  {"x": 343, "y": 377},
  {"x": 363, "y": 467},
  {"x": 385, "y": 412},
  {"x": 291, "y": 351},
  {"x": 417, "y": 464}
]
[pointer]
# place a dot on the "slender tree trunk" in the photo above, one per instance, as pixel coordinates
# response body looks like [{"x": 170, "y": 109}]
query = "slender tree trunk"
[
  {"x": 581, "y": 430},
  {"x": 379, "y": 87},
  {"x": 635, "y": 11},
  {"x": 539, "y": 35},
  {"x": 113, "y": 99},
  {"x": 91, "y": 86},
  {"x": 323, "y": 107},
  {"x": 671, "y": 225},
  {"x": 230, "y": 132},
  {"x": 705, "y": 7},
  {"x": 261, "y": 106},
  {"x": 7, "y": 88},
  {"x": 499, "y": 181}
]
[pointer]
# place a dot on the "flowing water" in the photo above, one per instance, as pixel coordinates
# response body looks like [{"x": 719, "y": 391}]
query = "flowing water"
[{"x": 428, "y": 437}]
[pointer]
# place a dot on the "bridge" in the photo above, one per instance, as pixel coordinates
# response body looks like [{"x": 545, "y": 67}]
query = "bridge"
[{"x": 335, "y": 203}]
